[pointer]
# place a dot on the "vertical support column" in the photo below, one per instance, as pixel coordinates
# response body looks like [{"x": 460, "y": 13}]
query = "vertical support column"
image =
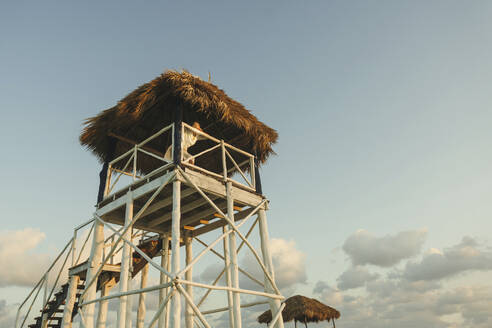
[
  {"x": 189, "y": 276},
  {"x": 227, "y": 268},
  {"x": 69, "y": 302},
  {"x": 178, "y": 135},
  {"x": 94, "y": 263},
  {"x": 103, "y": 305},
  {"x": 234, "y": 265},
  {"x": 175, "y": 242},
  {"x": 141, "y": 300},
  {"x": 267, "y": 260},
  {"x": 129, "y": 300},
  {"x": 44, "y": 316},
  {"x": 125, "y": 263},
  {"x": 164, "y": 317},
  {"x": 168, "y": 290}
]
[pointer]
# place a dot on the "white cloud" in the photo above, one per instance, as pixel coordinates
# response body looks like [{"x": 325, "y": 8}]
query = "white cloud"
[
  {"x": 20, "y": 267},
  {"x": 7, "y": 314},
  {"x": 466, "y": 256},
  {"x": 288, "y": 262},
  {"x": 355, "y": 277},
  {"x": 364, "y": 248},
  {"x": 402, "y": 300},
  {"x": 393, "y": 303}
]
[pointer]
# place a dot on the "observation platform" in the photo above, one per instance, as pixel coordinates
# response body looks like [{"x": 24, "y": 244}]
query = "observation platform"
[{"x": 197, "y": 214}]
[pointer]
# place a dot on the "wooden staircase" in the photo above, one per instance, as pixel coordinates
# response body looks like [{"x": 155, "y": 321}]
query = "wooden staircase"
[{"x": 54, "y": 309}]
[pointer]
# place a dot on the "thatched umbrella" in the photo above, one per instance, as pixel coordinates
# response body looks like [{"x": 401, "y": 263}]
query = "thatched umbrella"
[
  {"x": 157, "y": 103},
  {"x": 303, "y": 309}
]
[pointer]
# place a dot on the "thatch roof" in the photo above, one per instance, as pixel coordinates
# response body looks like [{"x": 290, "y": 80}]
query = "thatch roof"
[
  {"x": 303, "y": 309},
  {"x": 152, "y": 106}
]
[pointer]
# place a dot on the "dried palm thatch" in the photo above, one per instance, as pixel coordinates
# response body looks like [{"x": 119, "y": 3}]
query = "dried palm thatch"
[
  {"x": 303, "y": 309},
  {"x": 155, "y": 105}
]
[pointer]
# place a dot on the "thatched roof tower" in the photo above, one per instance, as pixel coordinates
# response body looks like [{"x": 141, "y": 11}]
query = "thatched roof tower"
[
  {"x": 156, "y": 104},
  {"x": 303, "y": 309}
]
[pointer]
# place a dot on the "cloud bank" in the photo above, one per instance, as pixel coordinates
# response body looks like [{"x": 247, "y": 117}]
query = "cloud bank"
[
  {"x": 362, "y": 247},
  {"x": 19, "y": 266}
]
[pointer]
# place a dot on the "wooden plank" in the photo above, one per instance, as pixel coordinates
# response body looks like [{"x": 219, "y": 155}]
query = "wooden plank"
[
  {"x": 214, "y": 186},
  {"x": 184, "y": 209},
  {"x": 203, "y": 214},
  {"x": 137, "y": 193},
  {"x": 166, "y": 202},
  {"x": 220, "y": 223}
]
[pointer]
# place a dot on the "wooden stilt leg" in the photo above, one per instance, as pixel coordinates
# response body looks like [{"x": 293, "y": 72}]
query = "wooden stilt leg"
[
  {"x": 69, "y": 302},
  {"x": 125, "y": 265},
  {"x": 234, "y": 265},
  {"x": 103, "y": 305},
  {"x": 129, "y": 300},
  {"x": 168, "y": 290},
  {"x": 163, "y": 323},
  {"x": 267, "y": 259},
  {"x": 141, "y": 300},
  {"x": 175, "y": 242},
  {"x": 95, "y": 262},
  {"x": 189, "y": 276},
  {"x": 227, "y": 264}
]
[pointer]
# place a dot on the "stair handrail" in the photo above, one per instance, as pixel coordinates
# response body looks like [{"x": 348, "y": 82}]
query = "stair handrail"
[{"x": 38, "y": 286}]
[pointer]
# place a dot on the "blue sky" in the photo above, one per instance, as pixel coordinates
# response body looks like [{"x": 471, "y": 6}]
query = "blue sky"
[{"x": 383, "y": 111}]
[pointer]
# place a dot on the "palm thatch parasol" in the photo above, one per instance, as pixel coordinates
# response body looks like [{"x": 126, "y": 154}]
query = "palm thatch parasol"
[
  {"x": 157, "y": 103},
  {"x": 303, "y": 309}
]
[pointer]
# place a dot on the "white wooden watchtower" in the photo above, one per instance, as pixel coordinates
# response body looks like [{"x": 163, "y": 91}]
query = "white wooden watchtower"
[{"x": 168, "y": 205}]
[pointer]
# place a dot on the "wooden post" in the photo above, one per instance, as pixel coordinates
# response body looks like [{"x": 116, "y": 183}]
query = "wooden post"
[
  {"x": 69, "y": 302},
  {"x": 267, "y": 259},
  {"x": 94, "y": 263},
  {"x": 129, "y": 300},
  {"x": 168, "y": 290},
  {"x": 178, "y": 135},
  {"x": 129, "y": 303},
  {"x": 103, "y": 305},
  {"x": 234, "y": 265},
  {"x": 163, "y": 318},
  {"x": 44, "y": 316},
  {"x": 227, "y": 268},
  {"x": 141, "y": 301},
  {"x": 175, "y": 243},
  {"x": 125, "y": 263},
  {"x": 258, "y": 187},
  {"x": 189, "y": 277}
]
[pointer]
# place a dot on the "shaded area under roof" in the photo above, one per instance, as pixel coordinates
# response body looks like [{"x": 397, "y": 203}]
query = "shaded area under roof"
[
  {"x": 154, "y": 105},
  {"x": 303, "y": 309}
]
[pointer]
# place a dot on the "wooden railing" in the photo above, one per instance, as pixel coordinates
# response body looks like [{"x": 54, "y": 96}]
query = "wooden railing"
[{"x": 241, "y": 174}]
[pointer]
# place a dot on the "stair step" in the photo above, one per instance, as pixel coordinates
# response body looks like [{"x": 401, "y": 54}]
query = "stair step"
[
  {"x": 79, "y": 286},
  {"x": 51, "y": 310},
  {"x": 56, "y": 318}
]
